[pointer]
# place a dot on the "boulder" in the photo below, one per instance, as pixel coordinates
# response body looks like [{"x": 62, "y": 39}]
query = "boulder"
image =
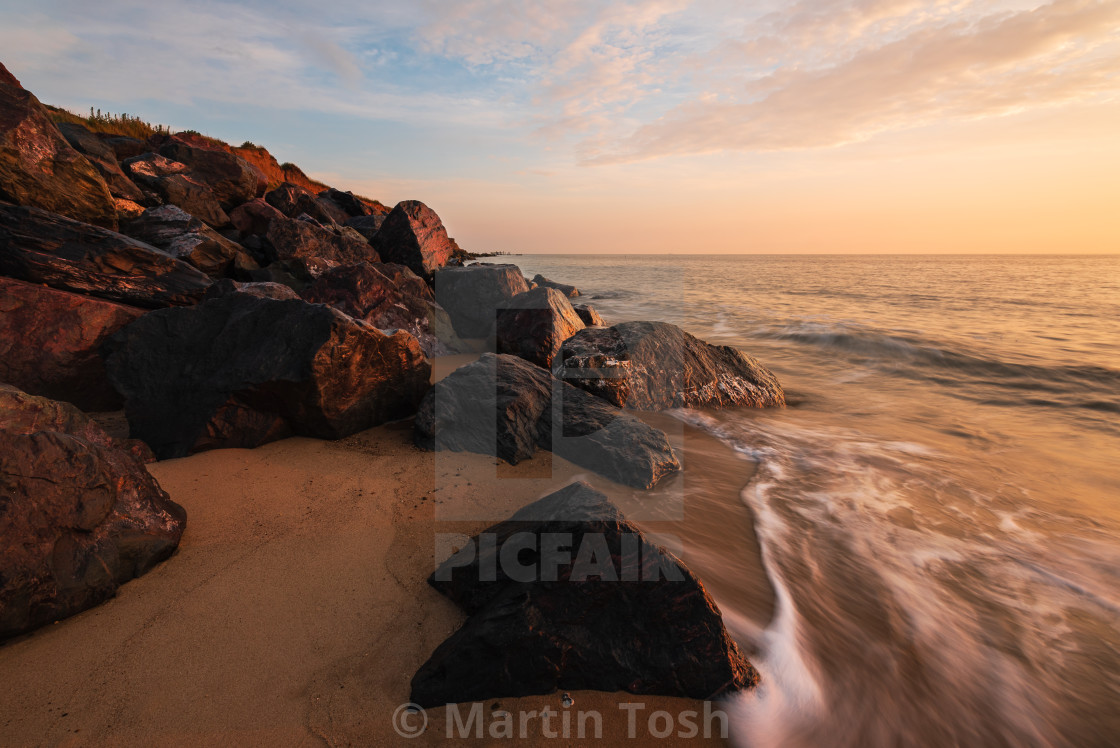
[
  {"x": 413, "y": 235},
  {"x": 569, "y": 291},
  {"x": 127, "y": 209},
  {"x": 367, "y": 226},
  {"x": 656, "y": 365},
  {"x": 262, "y": 289},
  {"x": 595, "y": 606},
  {"x": 124, "y": 147},
  {"x": 172, "y": 183},
  {"x": 41, "y": 247},
  {"x": 181, "y": 235},
  {"x": 49, "y": 343},
  {"x": 350, "y": 205},
  {"x": 507, "y": 407},
  {"x": 253, "y": 218},
  {"x": 293, "y": 200},
  {"x": 39, "y": 168},
  {"x": 81, "y": 516},
  {"x": 231, "y": 179},
  {"x": 589, "y": 316},
  {"x": 364, "y": 292},
  {"x": 239, "y": 371},
  {"x": 102, "y": 157},
  {"x": 534, "y": 324},
  {"x": 473, "y": 294}
]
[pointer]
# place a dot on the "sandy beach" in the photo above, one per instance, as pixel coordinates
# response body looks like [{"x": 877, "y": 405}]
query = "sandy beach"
[{"x": 295, "y": 610}]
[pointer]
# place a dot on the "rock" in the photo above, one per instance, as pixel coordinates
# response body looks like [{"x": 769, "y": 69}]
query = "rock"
[
  {"x": 413, "y": 235},
  {"x": 534, "y": 324},
  {"x": 102, "y": 157},
  {"x": 124, "y": 147},
  {"x": 41, "y": 247},
  {"x": 49, "y": 343},
  {"x": 350, "y": 205},
  {"x": 569, "y": 291},
  {"x": 597, "y": 607},
  {"x": 293, "y": 200},
  {"x": 505, "y": 406},
  {"x": 127, "y": 209},
  {"x": 263, "y": 290},
  {"x": 367, "y": 226},
  {"x": 473, "y": 294},
  {"x": 364, "y": 292},
  {"x": 80, "y": 517},
  {"x": 181, "y": 235},
  {"x": 656, "y": 365},
  {"x": 231, "y": 179},
  {"x": 589, "y": 316},
  {"x": 172, "y": 182},
  {"x": 239, "y": 371},
  {"x": 39, "y": 168},
  {"x": 253, "y": 218}
]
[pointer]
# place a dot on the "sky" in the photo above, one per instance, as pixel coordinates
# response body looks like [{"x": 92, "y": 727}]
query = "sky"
[{"x": 701, "y": 126}]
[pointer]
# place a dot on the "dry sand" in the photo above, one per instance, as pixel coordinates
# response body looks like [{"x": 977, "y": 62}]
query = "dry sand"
[{"x": 295, "y": 610}]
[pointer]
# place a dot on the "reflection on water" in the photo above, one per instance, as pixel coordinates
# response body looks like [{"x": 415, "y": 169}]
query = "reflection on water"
[{"x": 938, "y": 513}]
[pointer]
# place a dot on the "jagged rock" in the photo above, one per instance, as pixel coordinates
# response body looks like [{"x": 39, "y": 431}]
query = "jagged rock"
[
  {"x": 181, "y": 235},
  {"x": 102, "y": 157},
  {"x": 413, "y": 235},
  {"x": 125, "y": 147},
  {"x": 595, "y": 606},
  {"x": 239, "y": 370},
  {"x": 172, "y": 182},
  {"x": 81, "y": 516},
  {"x": 41, "y": 247},
  {"x": 569, "y": 291},
  {"x": 473, "y": 294},
  {"x": 589, "y": 316},
  {"x": 505, "y": 406},
  {"x": 365, "y": 292},
  {"x": 127, "y": 209},
  {"x": 264, "y": 290},
  {"x": 656, "y": 365},
  {"x": 367, "y": 226},
  {"x": 346, "y": 202},
  {"x": 293, "y": 200},
  {"x": 534, "y": 324},
  {"x": 231, "y": 179},
  {"x": 253, "y": 218},
  {"x": 39, "y": 168},
  {"x": 49, "y": 343}
]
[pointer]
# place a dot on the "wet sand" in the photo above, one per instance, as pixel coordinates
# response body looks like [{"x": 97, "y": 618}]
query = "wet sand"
[{"x": 296, "y": 610}]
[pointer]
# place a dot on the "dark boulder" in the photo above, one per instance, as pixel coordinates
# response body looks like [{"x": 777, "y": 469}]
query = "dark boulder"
[
  {"x": 293, "y": 201},
  {"x": 569, "y": 291},
  {"x": 102, "y": 157},
  {"x": 124, "y": 147},
  {"x": 181, "y": 235},
  {"x": 231, "y": 179},
  {"x": 589, "y": 316},
  {"x": 591, "y": 604},
  {"x": 262, "y": 289},
  {"x": 534, "y": 324},
  {"x": 367, "y": 226},
  {"x": 39, "y": 168},
  {"x": 413, "y": 235},
  {"x": 239, "y": 371},
  {"x": 507, "y": 407},
  {"x": 473, "y": 294},
  {"x": 364, "y": 292},
  {"x": 49, "y": 343},
  {"x": 656, "y": 365},
  {"x": 41, "y": 247},
  {"x": 172, "y": 183},
  {"x": 80, "y": 515},
  {"x": 346, "y": 202}
]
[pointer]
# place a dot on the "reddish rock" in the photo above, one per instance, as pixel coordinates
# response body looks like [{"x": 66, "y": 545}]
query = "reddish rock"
[
  {"x": 254, "y": 217},
  {"x": 367, "y": 226},
  {"x": 293, "y": 200},
  {"x": 264, "y": 290},
  {"x": 185, "y": 237},
  {"x": 41, "y": 247},
  {"x": 39, "y": 168},
  {"x": 413, "y": 235},
  {"x": 534, "y": 324},
  {"x": 172, "y": 182},
  {"x": 79, "y": 518},
  {"x": 50, "y": 340},
  {"x": 124, "y": 147},
  {"x": 564, "y": 288},
  {"x": 231, "y": 179},
  {"x": 589, "y": 316},
  {"x": 238, "y": 371},
  {"x": 103, "y": 158}
]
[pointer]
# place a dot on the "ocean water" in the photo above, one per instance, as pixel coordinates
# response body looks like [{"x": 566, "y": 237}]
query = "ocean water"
[{"x": 937, "y": 511}]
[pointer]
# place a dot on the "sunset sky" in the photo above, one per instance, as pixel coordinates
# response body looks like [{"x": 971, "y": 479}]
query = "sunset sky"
[{"x": 667, "y": 126}]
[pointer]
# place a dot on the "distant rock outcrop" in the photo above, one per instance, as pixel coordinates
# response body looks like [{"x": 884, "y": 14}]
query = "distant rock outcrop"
[
  {"x": 473, "y": 294},
  {"x": 534, "y": 324},
  {"x": 505, "y": 406},
  {"x": 656, "y": 365},
  {"x": 607, "y": 610},
  {"x": 39, "y": 168},
  {"x": 81, "y": 514},
  {"x": 239, "y": 371},
  {"x": 413, "y": 235},
  {"x": 41, "y": 247}
]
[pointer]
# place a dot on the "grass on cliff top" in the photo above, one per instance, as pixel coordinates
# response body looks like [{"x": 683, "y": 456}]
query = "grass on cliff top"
[{"x": 111, "y": 124}]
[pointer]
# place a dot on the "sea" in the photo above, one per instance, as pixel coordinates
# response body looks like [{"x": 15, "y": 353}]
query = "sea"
[{"x": 936, "y": 513}]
